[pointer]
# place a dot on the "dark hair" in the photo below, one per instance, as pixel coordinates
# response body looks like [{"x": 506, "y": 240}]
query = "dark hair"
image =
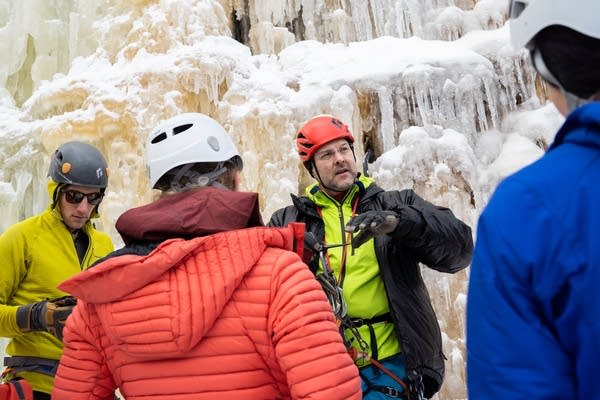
[
  {"x": 225, "y": 179},
  {"x": 573, "y": 58},
  {"x": 186, "y": 182}
]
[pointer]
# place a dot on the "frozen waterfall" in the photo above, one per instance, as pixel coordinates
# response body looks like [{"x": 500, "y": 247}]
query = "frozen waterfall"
[{"x": 430, "y": 88}]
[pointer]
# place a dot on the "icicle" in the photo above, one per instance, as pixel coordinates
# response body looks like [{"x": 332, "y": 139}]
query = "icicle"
[
  {"x": 482, "y": 123},
  {"x": 489, "y": 89},
  {"x": 342, "y": 27},
  {"x": 362, "y": 21},
  {"x": 387, "y": 117},
  {"x": 434, "y": 100},
  {"x": 446, "y": 103}
]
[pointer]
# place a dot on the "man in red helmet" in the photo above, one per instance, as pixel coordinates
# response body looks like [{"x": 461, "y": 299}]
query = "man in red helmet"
[{"x": 388, "y": 322}]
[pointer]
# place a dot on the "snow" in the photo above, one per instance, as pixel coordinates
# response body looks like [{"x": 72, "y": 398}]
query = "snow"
[{"x": 432, "y": 87}]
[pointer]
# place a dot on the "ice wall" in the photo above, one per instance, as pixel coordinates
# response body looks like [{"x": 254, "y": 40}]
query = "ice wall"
[
  {"x": 431, "y": 89},
  {"x": 266, "y": 25}
]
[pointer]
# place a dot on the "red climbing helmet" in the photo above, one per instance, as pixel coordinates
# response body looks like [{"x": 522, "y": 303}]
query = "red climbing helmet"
[{"x": 319, "y": 131}]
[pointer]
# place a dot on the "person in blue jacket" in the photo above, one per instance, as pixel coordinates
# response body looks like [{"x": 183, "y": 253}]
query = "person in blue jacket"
[{"x": 533, "y": 313}]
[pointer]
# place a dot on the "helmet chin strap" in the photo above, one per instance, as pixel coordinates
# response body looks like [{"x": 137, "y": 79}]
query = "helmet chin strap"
[
  {"x": 56, "y": 194},
  {"x": 572, "y": 100}
]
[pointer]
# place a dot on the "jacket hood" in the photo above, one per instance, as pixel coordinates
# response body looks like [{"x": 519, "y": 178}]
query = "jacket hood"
[
  {"x": 162, "y": 304},
  {"x": 189, "y": 214},
  {"x": 52, "y": 186}
]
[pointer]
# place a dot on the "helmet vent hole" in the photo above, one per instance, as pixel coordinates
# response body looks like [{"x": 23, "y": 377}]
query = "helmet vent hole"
[
  {"x": 181, "y": 128},
  {"x": 159, "y": 138}
]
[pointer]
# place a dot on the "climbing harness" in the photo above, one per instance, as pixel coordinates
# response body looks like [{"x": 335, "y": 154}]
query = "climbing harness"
[
  {"x": 416, "y": 387},
  {"x": 16, "y": 364},
  {"x": 327, "y": 280},
  {"x": 334, "y": 293}
]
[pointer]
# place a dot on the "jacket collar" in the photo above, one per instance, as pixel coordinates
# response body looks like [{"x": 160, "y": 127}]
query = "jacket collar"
[
  {"x": 319, "y": 197},
  {"x": 580, "y": 127},
  {"x": 193, "y": 213}
]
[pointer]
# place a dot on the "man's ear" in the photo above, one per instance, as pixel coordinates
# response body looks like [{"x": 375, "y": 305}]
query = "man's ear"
[{"x": 236, "y": 180}]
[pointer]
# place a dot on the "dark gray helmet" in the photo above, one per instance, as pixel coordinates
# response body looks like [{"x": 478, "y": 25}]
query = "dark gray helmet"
[{"x": 77, "y": 163}]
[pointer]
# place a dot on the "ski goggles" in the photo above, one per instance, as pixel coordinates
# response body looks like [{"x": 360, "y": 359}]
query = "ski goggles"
[{"x": 76, "y": 197}]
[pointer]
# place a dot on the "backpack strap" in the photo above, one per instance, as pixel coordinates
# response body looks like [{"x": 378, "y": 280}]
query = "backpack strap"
[
  {"x": 19, "y": 389},
  {"x": 298, "y": 229}
]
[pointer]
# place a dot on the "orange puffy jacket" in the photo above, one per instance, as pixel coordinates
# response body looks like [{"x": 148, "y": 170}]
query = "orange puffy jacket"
[{"x": 234, "y": 315}]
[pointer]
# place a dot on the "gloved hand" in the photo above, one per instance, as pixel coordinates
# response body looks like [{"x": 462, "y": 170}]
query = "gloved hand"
[
  {"x": 312, "y": 243},
  {"x": 371, "y": 223},
  {"x": 49, "y": 315}
]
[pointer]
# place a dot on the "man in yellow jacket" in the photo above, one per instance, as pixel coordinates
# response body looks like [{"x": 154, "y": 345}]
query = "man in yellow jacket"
[{"x": 44, "y": 250}]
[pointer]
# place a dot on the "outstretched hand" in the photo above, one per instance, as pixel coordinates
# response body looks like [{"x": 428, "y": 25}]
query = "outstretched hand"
[{"x": 371, "y": 223}]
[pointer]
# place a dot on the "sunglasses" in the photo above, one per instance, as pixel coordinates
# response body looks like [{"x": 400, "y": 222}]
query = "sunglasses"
[{"x": 76, "y": 197}]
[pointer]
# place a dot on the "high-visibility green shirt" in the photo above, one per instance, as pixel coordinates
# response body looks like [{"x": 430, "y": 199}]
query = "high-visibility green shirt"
[
  {"x": 362, "y": 284},
  {"x": 37, "y": 254}
]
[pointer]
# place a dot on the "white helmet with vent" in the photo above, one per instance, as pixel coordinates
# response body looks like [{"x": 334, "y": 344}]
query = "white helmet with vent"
[
  {"x": 529, "y": 17},
  {"x": 187, "y": 139}
]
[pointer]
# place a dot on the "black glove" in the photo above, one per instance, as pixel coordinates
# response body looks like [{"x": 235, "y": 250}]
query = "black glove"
[
  {"x": 49, "y": 315},
  {"x": 371, "y": 223},
  {"x": 312, "y": 243}
]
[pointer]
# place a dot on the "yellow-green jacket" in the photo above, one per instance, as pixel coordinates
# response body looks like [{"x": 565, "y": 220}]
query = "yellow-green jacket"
[
  {"x": 361, "y": 278},
  {"x": 36, "y": 255},
  {"x": 426, "y": 234}
]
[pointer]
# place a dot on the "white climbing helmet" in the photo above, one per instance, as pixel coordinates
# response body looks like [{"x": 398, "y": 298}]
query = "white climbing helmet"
[
  {"x": 529, "y": 17},
  {"x": 186, "y": 139}
]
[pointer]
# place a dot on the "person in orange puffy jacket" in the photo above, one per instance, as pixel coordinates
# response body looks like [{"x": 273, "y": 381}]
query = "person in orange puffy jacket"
[{"x": 203, "y": 302}]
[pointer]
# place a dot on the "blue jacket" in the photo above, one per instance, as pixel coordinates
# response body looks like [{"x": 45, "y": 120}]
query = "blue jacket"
[{"x": 533, "y": 312}]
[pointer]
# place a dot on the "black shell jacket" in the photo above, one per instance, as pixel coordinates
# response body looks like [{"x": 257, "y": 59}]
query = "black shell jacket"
[{"x": 425, "y": 234}]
